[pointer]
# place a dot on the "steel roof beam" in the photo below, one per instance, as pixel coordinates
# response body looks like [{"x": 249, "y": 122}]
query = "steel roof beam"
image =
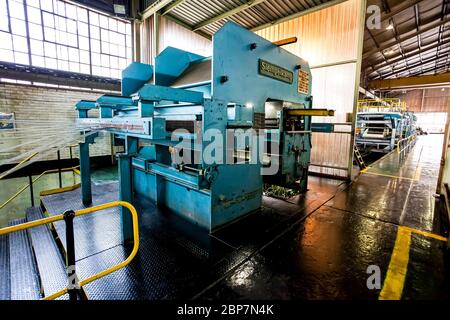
[
  {"x": 405, "y": 38},
  {"x": 154, "y": 8},
  {"x": 172, "y": 6},
  {"x": 405, "y": 6},
  {"x": 380, "y": 61},
  {"x": 396, "y": 33},
  {"x": 227, "y": 14},
  {"x": 432, "y": 69},
  {"x": 417, "y": 20},
  {"x": 376, "y": 44},
  {"x": 408, "y": 55},
  {"x": 418, "y": 64},
  {"x": 441, "y": 31},
  {"x": 388, "y": 84}
]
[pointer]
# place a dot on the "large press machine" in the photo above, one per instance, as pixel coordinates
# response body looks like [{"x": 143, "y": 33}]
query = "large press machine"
[{"x": 248, "y": 83}]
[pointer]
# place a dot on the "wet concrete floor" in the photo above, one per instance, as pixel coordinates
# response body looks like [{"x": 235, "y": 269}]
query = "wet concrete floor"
[
  {"x": 316, "y": 246},
  {"x": 327, "y": 255}
]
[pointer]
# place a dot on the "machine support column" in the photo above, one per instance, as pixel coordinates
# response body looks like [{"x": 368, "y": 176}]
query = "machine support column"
[
  {"x": 85, "y": 172},
  {"x": 30, "y": 181},
  {"x": 73, "y": 284},
  {"x": 59, "y": 168},
  {"x": 126, "y": 187}
]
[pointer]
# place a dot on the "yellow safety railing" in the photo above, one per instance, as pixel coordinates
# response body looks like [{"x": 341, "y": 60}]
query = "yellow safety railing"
[
  {"x": 74, "y": 169},
  {"x": 392, "y": 104},
  {"x": 404, "y": 144},
  {"x": 81, "y": 212},
  {"x": 24, "y": 161},
  {"x": 3, "y": 175}
]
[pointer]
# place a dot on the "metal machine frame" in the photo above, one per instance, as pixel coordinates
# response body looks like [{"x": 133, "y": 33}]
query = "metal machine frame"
[
  {"x": 248, "y": 83},
  {"x": 382, "y": 123}
]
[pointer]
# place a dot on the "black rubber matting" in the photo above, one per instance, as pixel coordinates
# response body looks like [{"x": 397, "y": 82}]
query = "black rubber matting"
[
  {"x": 51, "y": 267},
  {"x": 24, "y": 277},
  {"x": 176, "y": 259},
  {"x": 5, "y": 278}
]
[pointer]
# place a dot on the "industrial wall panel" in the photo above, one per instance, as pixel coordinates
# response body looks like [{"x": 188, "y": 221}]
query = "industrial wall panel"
[
  {"x": 174, "y": 35},
  {"x": 326, "y": 36},
  {"x": 328, "y": 40},
  {"x": 427, "y": 100},
  {"x": 32, "y": 103},
  {"x": 146, "y": 41},
  {"x": 333, "y": 89}
]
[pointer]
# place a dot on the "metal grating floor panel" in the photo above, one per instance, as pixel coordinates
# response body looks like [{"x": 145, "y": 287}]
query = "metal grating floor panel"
[
  {"x": 52, "y": 271},
  {"x": 176, "y": 259},
  {"x": 5, "y": 278},
  {"x": 88, "y": 241},
  {"x": 24, "y": 275}
]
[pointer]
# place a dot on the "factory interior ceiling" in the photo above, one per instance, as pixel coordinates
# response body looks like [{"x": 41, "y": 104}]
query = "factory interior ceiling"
[
  {"x": 413, "y": 40},
  {"x": 207, "y": 17}
]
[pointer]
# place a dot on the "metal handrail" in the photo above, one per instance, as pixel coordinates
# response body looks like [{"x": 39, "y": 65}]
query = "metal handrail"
[
  {"x": 410, "y": 139},
  {"x": 74, "y": 169},
  {"x": 382, "y": 103},
  {"x": 3, "y": 175},
  {"x": 77, "y": 213}
]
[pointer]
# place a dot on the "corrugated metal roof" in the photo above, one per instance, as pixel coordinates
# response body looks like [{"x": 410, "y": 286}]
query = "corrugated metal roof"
[
  {"x": 400, "y": 51},
  {"x": 194, "y": 12},
  {"x": 388, "y": 53}
]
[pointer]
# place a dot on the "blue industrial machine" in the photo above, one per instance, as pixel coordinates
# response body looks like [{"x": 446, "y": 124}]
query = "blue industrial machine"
[{"x": 248, "y": 83}]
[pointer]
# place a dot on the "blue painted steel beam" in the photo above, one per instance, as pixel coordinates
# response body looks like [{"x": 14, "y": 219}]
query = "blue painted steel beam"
[
  {"x": 134, "y": 77},
  {"x": 85, "y": 170},
  {"x": 126, "y": 187},
  {"x": 115, "y": 101},
  {"x": 84, "y": 106},
  {"x": 160, "y": 93}
]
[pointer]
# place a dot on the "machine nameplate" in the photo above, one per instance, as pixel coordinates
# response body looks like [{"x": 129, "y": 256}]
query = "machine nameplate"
[
  {"x": 273, "y": 71},
  {"x": 303, "y": 82}
]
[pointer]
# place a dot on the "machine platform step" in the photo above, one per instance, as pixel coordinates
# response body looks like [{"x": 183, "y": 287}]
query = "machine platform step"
[
  {"x": 52, "y": 271},
  {"x": 5, "y": 277},
  {"x": 23, "y": 270}
]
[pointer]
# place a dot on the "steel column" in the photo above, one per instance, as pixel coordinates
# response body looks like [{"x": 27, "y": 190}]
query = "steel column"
[
  {"x": 30, "y": 181},
  {"x": 73, "y": 284},
  {"x": 85, "y": 172},
  {"x": 362, "y": 24},
  {"x": 126, "y": 187},
  {"x": 59, "y": 169}
]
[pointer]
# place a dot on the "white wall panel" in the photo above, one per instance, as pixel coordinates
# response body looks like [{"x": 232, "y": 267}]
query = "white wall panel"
[
  {"x": 329, "y": 36},
  {"x": 174, "y": 35}
]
